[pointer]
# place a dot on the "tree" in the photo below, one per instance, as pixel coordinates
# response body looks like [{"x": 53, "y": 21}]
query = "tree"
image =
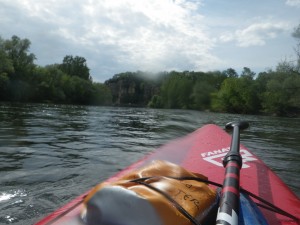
[
  {"x": 77, "y": 90},
  {"x": 17, "y": 52},
  {"x": 101, "y": 95},
  {"x": 49, "y": 81},
  {"x": 230, "y": 73},
  {"x": 237, "y": 95},
  {"x": 75, "y": 66},
  {"x": 282, "y": 93},
  {"x": 176, "y": 91},
  {"x": 4, "y": 84},
  {"x": 156, "y": 102},
  {"x": 202, "y": 91},
  {"x": 185, "y": 89},
  {"x": 215, "y": 78},
  {"x": 247, "y": 73},
  {"x": 6, "y": 65},
  {"x": 294, "y": 65}
]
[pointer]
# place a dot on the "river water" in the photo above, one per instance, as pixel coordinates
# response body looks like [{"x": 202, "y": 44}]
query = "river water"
[{"x": 49, "y": 154}]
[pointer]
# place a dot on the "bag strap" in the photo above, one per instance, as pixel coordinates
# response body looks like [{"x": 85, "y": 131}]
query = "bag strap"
[
  {"x": 267, "y": 205},
  {"x": 176, "y": 204}
]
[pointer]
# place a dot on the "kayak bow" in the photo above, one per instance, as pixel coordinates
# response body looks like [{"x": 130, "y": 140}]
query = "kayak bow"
[{"x": 202, "y": 152}]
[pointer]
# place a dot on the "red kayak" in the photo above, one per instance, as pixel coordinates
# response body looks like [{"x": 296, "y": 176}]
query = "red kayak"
[{"x": 202, "y": 152}]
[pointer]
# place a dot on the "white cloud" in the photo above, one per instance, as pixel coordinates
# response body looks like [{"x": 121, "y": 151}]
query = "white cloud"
[
  {"x": 256, "y": 34},
  {"x": 293, "y": 3},
  {"x": 151, "y": 34},
  {"x": 135, "y": 34},
  {"x": 127, "y": 35}
]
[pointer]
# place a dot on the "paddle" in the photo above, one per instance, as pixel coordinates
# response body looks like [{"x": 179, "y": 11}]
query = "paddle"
[{"x": 229, "y": 203}]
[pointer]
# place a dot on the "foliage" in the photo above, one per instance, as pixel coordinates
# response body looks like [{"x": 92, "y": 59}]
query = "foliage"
[
  {"x": 247, "y": 73},
  {"x": 187, "y": 90},
  {"x": 68, "y": 82},
  {"x": 18, "y": 61},
  {"x": 6, "y": 65},
  {"x": 156, "y": 102},
  {"x": 282, "y": 93},
  {"x": 202, "y": 92},
  {"x": 4, "y": 84},
  {"x": 101, "y": 95},
  {"x": 237, "y": 95},
  {"x": 280, "y": 89},
  {"x": 75, "y": 66},
  {"x": 230, "y": 73},
  {"x": 176, "y": 91}
]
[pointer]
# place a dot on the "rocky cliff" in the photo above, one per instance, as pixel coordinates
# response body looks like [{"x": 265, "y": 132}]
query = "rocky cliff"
[{"x": 132, "y": 89}]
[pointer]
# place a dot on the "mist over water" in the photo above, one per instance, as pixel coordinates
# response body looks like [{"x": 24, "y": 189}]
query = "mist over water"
[{"x": 49, "y": 154}]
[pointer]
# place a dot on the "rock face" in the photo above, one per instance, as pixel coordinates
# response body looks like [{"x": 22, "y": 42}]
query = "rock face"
[{"x": 132, "y": 89}]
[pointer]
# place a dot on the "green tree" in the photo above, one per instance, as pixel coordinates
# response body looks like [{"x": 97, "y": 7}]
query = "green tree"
[
  {"x": 185, "y": 89},
  {"x": 75, "y": 66},
  {"x": 101, "y": 95},
  {"x": 282, "y": 93},
  {"x": 237, "y": 95},
  {"x": 6, "y": 65},
  {"x": 176, "y": 91},
  {"x": 230, "y": 73},
  {"x": 156, "y": 102},
  {"x": 6, "y": 68},
  {"x": 247, "y": 73},
  {"x": 4, "y": 85},
  {"x": 49, "y": 84},
  {"x": 202, "y": 95},
  {"x": 215, "y": 78},
  {"x": 77, "y": 90},
  {"x": 294, "y": 65},
  {"x": 17, "y": 52},
  {"x": 16, "y": 66}
]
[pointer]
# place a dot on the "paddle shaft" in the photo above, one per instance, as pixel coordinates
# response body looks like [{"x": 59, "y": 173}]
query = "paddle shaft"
[{"x": 229, "y": 203}]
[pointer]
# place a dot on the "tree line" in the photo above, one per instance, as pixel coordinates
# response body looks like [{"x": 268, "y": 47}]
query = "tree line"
[
  {"x": 66, "y": 82},
  {"x": 273, "y": 92}
]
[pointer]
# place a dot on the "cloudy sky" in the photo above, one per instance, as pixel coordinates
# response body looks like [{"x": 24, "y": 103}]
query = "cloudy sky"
[{"x": 155, "y": 35}]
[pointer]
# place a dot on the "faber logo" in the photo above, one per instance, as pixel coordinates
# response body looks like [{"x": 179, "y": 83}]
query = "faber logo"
[{"x": 216, "y": 157}]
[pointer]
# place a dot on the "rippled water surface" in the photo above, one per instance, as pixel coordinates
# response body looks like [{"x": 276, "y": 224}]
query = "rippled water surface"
[{"x": 50, "y": 154}]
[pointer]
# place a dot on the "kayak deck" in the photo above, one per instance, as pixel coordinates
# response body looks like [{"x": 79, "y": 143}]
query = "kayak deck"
[{"x": 202, "y": 152}]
